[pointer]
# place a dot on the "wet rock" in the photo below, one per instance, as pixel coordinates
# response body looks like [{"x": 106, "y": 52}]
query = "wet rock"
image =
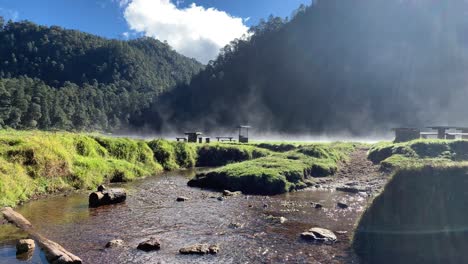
[
  {"x": 236, "y": 225},
  {"x": 150, "y": 245},
  {"x": 351, "y": 189},
  {"x": 220, "y": 198},
  {"x": 319, "y": 235},
  {"x": 182, "y": 199},
  {"x": 317, "y": 205},
  {"x": 25, "y": 246},
  {"x": 200, "y": 249},
  {"x": 342, "y": 205},
  {"x": 229, "y": 193},
  {"x": 115, "y": 243},
  {"x": 277, "y": 219},
  {"x": 101, "y": 188}
]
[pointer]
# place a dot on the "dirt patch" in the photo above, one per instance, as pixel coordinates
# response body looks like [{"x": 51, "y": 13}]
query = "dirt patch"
[{"x": 357, "y": 175}]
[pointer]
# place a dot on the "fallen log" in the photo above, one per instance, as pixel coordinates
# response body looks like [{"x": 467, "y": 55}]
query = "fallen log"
[
  {"x": 106, "y": 197},
  {"x": 54, "y": 252}
]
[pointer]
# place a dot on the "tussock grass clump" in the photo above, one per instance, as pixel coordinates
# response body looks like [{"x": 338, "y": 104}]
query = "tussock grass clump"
[
  {"x": 213, "y": 155},
  {"x": 392, "y": 156},
  {"x": 276, "y": 173},
  {"x": 420, "y": 217},
  {"x": 277, "y": 147},
  {"x": 174, "y": 155}
]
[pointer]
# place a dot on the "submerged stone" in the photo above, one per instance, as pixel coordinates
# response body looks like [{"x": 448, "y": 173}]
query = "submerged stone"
[
  {"x": 182, "y": 199},
  {"x": 200, "y": 249},
  {"x": 115, "y": 243},
  {"x": 320, "y": 235},
  {"x": 150, "y": 245}
]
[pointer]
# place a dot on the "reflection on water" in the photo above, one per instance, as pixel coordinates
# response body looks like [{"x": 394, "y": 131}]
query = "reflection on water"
[{"x": 151, "y": 210}]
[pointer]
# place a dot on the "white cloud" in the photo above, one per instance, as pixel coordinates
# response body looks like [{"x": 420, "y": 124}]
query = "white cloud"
[{"x": 194, "y": 31}]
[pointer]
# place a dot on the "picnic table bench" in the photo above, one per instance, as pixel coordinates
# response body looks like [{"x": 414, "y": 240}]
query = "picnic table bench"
[{"x": 223, "y": 139}]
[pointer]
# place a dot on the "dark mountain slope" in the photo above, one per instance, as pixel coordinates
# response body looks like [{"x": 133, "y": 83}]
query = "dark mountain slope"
[{"x": 356, "y": 66}]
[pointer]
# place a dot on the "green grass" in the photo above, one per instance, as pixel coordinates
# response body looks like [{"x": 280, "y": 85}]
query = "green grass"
[
  {"x": 278, "y": 172},
  {"x": 392, "y": 156},
  {"x": 33, "y": 162},
  {"x": 218, "y": 154}
]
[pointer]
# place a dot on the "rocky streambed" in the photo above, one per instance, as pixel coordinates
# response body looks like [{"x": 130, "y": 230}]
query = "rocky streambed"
[{"x": 253, "y": 229}]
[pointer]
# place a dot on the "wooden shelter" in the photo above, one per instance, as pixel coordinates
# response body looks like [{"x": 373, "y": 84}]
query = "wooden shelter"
[
  {"x": 403, "y": 134},
  {"x": 244, "y": 134},
  {"x": 193, "y": 136}
]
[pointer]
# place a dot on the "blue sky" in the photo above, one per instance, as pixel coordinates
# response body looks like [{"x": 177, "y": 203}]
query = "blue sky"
[{"x": 130, "y": 18}]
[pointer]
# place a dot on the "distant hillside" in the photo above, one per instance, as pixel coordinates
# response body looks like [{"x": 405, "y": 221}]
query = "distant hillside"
[
  {"x": 53, "y": 78},
  {"x": 356, "y": 66}
]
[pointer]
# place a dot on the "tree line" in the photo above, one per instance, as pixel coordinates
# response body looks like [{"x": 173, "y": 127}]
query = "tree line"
[{"x": 54, "y": 78}]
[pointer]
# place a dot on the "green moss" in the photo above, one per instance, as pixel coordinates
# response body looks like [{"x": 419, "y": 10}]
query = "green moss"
[
  {"x": 212, "y": 155},
  {"x": 392, "y": 156},
  {"x": 278, "y": 172}
]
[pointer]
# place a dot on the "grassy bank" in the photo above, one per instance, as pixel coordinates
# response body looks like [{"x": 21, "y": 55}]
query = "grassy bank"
[
  {"x": 392, "y": 156},
  {"x": 278, "y": 172},
  {"x": 35, "y": 163},
  {"x": 420, "y": 217}
]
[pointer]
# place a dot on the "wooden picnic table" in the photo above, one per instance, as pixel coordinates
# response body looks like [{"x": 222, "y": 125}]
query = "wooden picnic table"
[
  {"x": 225, "y": 138},
  {"x": 443, "y": 134}
]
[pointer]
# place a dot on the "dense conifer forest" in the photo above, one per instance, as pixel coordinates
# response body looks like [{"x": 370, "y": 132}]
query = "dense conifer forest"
[{"x": 53, "y": 78}]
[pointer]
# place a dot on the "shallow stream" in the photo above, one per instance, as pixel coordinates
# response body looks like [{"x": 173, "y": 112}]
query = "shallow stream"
[{"x": 151, "y": 210}]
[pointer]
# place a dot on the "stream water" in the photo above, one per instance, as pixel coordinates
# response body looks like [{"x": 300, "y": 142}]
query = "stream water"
[{"x": 151, "y": 210}]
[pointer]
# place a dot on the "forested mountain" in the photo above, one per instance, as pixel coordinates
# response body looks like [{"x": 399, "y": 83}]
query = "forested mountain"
[
  {"x": 354, "y": 65},
  {"x": 53, "y": 78}
]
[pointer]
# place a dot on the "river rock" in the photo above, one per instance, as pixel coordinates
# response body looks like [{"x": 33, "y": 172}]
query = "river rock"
[
  {"x": 277, "y": 219},
  {"x": 317, "y": 205},
  {"x": 220, "y": 198},
  {"x": 319, "y": 235},
  {"x": 342, "y": 205},
  {"x": 25, "y": 246},
  {"x": 149, "y": 245},
  {"x": 182, "y": 199},
  {"x": 114, "y": 243},
  {"x": 200, "y": 249},
  {"x": 229, "y": 193},
  {"x": 236, "y": 225},
  {"x": 101, "y": 188}
]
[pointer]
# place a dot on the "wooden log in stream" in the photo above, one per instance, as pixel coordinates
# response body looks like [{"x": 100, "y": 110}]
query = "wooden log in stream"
[
  {"x": 107, "y": 196},
  {"x": 55, "y": 253}
]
